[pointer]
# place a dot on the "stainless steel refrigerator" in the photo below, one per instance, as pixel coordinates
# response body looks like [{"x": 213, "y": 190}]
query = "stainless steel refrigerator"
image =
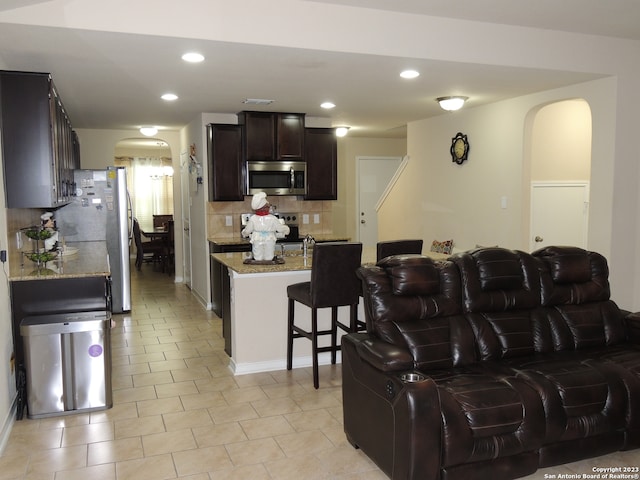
[{"x": 101, "y": 211}]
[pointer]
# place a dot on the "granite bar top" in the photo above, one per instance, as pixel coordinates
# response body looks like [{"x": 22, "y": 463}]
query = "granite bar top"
[
  {"x": 238, "y": 240},
  {"x": 90, "y": 260},
  {"x": 293, "y": 261}
]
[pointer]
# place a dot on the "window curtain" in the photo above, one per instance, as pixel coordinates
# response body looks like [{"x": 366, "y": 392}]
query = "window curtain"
[{"x": 150, "y": 184}]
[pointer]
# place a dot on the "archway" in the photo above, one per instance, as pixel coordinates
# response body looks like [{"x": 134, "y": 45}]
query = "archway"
[
  {"x": 558, "y": 155},
  {"x": 149, "y": 176}
]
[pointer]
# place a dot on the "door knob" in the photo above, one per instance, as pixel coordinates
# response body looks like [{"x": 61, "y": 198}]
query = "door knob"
[{"x": 538, "y": 239}]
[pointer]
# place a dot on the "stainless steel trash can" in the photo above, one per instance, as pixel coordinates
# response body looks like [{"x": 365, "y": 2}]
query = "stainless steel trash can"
[{"x": 68, "y": 362}]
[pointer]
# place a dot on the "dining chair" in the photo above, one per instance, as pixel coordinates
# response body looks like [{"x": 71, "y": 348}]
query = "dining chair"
[
  {"x": 161, "y": 220},
  {"x": 333, "y": 284},
  {"x": 396, "y": 247},
  {"x": 145, "y": 251}
]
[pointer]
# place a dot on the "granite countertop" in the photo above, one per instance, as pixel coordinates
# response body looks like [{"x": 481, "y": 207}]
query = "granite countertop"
[
  {"x": 90, "y": 260},
  {"x": 238, "y": 240},
  {"x": 293, "y": 261}
]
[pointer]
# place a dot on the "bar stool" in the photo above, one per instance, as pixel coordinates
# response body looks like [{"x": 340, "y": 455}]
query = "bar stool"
[
  {"x": 333, "y": 284},
  {"x": 397, "y": 247}
]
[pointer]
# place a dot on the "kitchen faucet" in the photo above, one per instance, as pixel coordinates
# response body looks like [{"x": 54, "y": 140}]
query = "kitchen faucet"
[{"x": 308, "y": 239}]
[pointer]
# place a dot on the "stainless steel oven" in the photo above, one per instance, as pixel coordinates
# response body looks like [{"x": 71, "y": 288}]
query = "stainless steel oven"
[{"x": 276, "y": 177}]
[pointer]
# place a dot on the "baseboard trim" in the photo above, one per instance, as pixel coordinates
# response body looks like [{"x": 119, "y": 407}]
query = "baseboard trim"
[
  {"x": 274, "y": 365},
  {"x": 7, "y": 425}
]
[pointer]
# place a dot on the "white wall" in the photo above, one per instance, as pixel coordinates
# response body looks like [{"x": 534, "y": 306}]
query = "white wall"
[
  {"x": 195, "y": 134},
  {"x": 561, "y": 142},
  {"x": 443, "y": 200},
  {"x": 7, "y": 373}
]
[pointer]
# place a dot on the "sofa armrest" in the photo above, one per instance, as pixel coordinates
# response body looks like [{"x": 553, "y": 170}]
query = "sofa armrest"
[
  {"x": 397, "y": 424},
  {"x": 384, "y": 356},
  {"x": 633, "y": 327}
]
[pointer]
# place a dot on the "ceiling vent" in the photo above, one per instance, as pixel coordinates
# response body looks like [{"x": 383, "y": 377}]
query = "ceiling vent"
[{"x": 257, "y": 101}]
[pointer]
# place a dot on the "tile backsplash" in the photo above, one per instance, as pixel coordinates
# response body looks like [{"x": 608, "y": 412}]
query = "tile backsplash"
[{"x": 320, "y": 211}]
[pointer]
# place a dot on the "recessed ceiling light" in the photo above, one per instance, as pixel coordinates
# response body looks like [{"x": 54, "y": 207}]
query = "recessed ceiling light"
[
  {"x": 328, "y": 105},
  {"x": 148, "y": 131},
  {"x": 193, "y": 57},
  {"x": 409, "y": 74},
  {"x": 169, "y": 97}
]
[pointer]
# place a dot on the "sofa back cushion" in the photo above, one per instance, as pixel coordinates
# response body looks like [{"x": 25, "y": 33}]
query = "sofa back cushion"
[
  {"x": 575, "y": 293},
  {"x": 414, "y": 302},
  {"x": 497, "y": 280},
  {"x": 500, "y": 296},
  {"x": 572, "y": 276}
]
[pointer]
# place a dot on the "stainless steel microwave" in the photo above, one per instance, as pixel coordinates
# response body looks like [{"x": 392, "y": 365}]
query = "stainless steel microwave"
[{"x": 276, "y": 177}]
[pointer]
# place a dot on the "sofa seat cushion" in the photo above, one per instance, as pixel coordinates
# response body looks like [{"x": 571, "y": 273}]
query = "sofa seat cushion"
[
  {"x": 581, "y": 397},
  {"x": 486, "y": 417},
  {"x": 627, "y": 357}
]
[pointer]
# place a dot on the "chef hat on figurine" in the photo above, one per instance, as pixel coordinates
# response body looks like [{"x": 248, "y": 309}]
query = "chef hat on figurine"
[{"x": 259, "y": 200}]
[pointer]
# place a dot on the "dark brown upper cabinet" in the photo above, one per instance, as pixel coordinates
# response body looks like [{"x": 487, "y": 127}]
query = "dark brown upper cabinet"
[
  {"x": 226, "y": 165},
  {"x": 273, "y": 136},
  {"x": 321, "y": 154},
  {"x": 40, "y": 150}
]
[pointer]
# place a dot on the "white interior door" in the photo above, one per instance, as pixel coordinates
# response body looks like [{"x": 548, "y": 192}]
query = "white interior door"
[
  {"x": 559, "y": 214},
  {"x": 374, "y": 174},
  {"x": 185, "y": 177}
]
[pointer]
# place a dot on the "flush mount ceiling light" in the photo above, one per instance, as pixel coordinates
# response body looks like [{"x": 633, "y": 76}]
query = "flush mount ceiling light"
[
  {"x": 169, "y": 97},
  {"x": 451, "y": 104},
  {"x": 193, "y": 57},
  {"x": 148, "y": 131},
  {"x": 409, "y": 74},
  {"x": 327, "y": 105},
  {"x": 341, "y": 131}
]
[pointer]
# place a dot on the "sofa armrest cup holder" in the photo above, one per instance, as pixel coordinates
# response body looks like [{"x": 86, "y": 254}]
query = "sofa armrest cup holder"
[{"x": 413, "y": 377}]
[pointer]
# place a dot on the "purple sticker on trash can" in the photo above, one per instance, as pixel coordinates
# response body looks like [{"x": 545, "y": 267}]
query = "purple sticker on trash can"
[{"x": 95, "y": 350}]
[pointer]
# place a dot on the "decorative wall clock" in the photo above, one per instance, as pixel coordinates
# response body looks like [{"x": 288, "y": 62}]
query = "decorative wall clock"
[{"x": 459, "y": 148}]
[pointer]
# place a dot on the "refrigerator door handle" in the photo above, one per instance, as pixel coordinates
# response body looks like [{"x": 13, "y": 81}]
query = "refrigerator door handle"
[{"x": 130, "y": 217}]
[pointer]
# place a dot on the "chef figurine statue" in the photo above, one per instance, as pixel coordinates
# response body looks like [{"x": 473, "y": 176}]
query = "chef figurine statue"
[
  {"x": 263, "y": 229},
  {"x": 48, "y": 223}
]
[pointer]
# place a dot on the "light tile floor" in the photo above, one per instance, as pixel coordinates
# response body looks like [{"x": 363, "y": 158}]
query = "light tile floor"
[{"x": 179, "y": 413}]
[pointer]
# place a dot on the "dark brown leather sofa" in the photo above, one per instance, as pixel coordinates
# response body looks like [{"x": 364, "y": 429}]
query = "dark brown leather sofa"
[{"x": 491, "y": 364}]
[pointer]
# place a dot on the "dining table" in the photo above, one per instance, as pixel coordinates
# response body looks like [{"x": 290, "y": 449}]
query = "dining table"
[{"x": 154, "y": 233}]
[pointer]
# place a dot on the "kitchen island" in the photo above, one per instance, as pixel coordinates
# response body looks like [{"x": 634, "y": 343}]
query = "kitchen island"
[
  {"x": 220, "y": 286},
  {"x": 258, "y": 311}
]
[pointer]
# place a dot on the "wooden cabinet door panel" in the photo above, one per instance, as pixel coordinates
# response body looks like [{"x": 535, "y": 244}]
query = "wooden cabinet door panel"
[
  {"x": 226, "y": 177},
  {"x": 290, "y": 136},
  {"x": 260, "y": 134},
  {"x": 322, "y": 164}
]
